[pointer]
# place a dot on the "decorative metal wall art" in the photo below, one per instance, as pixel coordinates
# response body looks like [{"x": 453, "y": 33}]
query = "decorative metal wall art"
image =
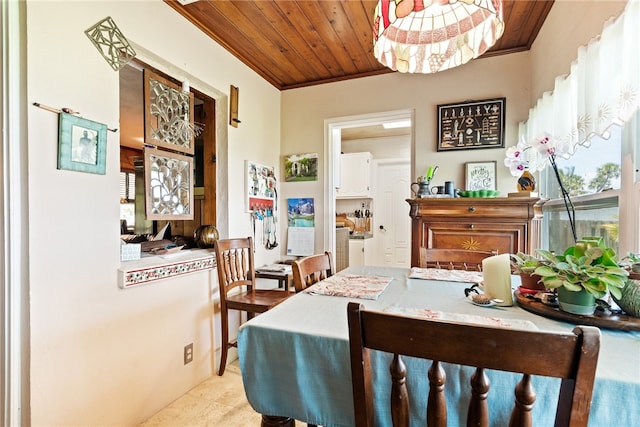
[
  {"x": 168, "y": 114},
  {"x": 471, "y": 124},
  {"x": 168, "y": 184},
  {"x": 111, "y": 43},
  {"x": 82, "y": 144}
]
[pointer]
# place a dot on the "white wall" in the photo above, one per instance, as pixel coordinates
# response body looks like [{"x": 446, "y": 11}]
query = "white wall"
[
  {"x": 570, "y": 24},
  {"x": 101, "y": 355}
]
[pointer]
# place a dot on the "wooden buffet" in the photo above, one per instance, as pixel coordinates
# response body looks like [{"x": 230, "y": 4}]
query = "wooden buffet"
[{"x": 503, "y": 224}]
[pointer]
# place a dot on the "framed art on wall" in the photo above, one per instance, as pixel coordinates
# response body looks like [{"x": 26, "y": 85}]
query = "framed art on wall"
[
  {"x": 471, "y": 124},
  {"x": 260, "y": 187},
  {"x": 82, "y": 144},
  {"x": 480, "y": 175},
  {"x": 301, "y": 167}
]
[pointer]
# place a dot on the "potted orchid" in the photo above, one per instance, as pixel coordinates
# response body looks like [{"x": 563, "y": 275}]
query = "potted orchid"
[{"x": 528, "y": 157}]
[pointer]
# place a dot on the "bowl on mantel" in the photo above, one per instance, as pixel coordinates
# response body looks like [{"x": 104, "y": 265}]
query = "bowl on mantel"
[{"x": 478, "y": 193}]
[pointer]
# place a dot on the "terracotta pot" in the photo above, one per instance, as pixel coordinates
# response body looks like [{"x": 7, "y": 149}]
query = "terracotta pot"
[
  {"x": 634, "y": 275},
  {"x": 531, "y": 281}
]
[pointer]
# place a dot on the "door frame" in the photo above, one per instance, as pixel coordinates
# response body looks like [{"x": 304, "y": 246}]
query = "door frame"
[
  {"x": 14, "y": 283},
  {"x": 332, "y": 146}
]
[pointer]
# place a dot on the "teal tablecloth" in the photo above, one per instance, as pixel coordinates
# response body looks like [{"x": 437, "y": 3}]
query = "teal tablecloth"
[{"x": 295, "y": 361}]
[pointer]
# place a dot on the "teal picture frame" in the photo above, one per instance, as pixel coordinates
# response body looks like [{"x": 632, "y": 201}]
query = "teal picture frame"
[{"x": 82, "y": 145}]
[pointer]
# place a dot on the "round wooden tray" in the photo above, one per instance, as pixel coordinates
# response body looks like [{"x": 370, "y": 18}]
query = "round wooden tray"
[{"x": 599, "y": 319}]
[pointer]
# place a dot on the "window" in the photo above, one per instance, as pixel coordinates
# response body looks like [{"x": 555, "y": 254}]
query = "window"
[
  {"x": 127, "y": 201},
  {"x": 594, "y": 177},
  {"x": 127, "y": 187}
]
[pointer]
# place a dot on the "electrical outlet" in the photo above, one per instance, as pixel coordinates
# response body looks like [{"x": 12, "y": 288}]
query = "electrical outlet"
[{"x": 188, "y": 353}]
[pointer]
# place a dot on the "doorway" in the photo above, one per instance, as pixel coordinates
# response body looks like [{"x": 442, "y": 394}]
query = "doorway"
[{"x": 338, "y": 139}]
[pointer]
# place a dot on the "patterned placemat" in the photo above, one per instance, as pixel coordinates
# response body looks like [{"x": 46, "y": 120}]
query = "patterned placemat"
[
  {"x": 446, "y": 275},
  {"x": 351, "y": 286}
]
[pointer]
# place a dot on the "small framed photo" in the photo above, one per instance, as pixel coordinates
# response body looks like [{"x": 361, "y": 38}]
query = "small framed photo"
[
  {"x": 82, "y": 144},
  {"x": 480, "y": 175},
  {"x": 471, "y": 124}
]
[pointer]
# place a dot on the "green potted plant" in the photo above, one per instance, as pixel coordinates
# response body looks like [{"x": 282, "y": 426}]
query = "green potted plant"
[
  {"x": 583, "y": 273},
  {"x": 525, "y": 265},
  {"x": 632, "y": 263}
]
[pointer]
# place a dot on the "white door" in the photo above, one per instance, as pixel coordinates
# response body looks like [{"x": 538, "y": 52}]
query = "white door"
[{"x": 391, "y": 214}]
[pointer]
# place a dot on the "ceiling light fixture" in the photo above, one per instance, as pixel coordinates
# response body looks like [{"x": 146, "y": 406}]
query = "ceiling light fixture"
[
  {"x": 427, "y": 36},
  {"x": 396, "y": 125}
]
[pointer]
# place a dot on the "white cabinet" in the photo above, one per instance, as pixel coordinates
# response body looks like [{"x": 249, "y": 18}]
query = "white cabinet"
[
  {"x": 355, "y": 175},
  {"x": 356, "y": 252},
  {"x": 360, "y": 252}
]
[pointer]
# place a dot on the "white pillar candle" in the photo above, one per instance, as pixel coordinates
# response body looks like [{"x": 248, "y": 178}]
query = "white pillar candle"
[{"x": 496, "y": 272}]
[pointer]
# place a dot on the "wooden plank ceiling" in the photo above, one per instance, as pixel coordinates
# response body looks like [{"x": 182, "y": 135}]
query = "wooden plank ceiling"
[{"x": 297, "y": 43}]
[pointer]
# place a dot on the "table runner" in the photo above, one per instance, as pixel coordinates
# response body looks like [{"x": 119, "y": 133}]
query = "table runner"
[{"x": 488, "y": 320}]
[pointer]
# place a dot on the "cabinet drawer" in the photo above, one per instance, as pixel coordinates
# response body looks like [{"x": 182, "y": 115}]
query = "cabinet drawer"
[
  {"x": 501, "y": 237},
  {"x": 476, "y": 210}
]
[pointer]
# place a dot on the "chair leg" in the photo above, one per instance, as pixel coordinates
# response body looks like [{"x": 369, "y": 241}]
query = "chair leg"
[{"x": 224, "y": 322}]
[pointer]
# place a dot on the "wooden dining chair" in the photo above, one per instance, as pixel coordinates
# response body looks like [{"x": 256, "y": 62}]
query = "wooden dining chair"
[
  {"x": 453, "y": 259},
  {"x": 236, "y": 281},
  {"x": 311, "y": 269},
  {"x": 570, "y": 356}
]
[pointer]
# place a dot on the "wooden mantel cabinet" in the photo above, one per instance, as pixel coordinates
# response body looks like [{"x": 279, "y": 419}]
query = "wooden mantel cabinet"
[{"x": 503, "y": 224}]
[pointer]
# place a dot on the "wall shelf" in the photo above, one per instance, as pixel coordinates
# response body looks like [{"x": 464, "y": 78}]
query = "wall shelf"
[{"x": 157, "y": 267}]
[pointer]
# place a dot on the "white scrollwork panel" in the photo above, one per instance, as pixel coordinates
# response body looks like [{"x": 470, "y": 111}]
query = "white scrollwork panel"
[
  {"x": 169, "y": 185},
  {"x": 168, "y": 115}
]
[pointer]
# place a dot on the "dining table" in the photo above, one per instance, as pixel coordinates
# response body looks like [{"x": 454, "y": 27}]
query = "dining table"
[{"x": 295, "y": 359}]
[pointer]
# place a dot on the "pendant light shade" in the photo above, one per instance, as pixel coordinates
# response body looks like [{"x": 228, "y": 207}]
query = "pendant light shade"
[{"x": 427, "y": 36}]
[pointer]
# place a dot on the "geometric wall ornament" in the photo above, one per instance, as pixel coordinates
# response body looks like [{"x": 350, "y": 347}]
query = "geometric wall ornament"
[
  {"x": 168, "y": 114},
  {"x": 168, "y": 185},
  {"x": 111, "y": 43}
]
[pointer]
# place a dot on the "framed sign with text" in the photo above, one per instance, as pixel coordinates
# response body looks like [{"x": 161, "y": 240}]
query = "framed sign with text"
[{"x": 471, "y": 124}]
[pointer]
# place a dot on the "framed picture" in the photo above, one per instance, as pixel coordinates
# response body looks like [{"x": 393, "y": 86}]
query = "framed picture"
[
  {"x": 82, "y": 144},
  {"x": 301, "y": 167},
  {"x": 168, "y": 183},
  {"x": 480, "y": 176},
  {"x": 260, "y": 187},
  {"x": 471, "y": 124}
]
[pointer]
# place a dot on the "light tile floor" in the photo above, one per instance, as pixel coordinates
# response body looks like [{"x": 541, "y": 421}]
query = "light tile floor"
[{"x": 217, "y": 402}]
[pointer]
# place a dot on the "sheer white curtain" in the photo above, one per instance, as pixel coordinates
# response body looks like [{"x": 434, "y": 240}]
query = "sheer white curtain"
[{"x": 602, "y": 89}]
